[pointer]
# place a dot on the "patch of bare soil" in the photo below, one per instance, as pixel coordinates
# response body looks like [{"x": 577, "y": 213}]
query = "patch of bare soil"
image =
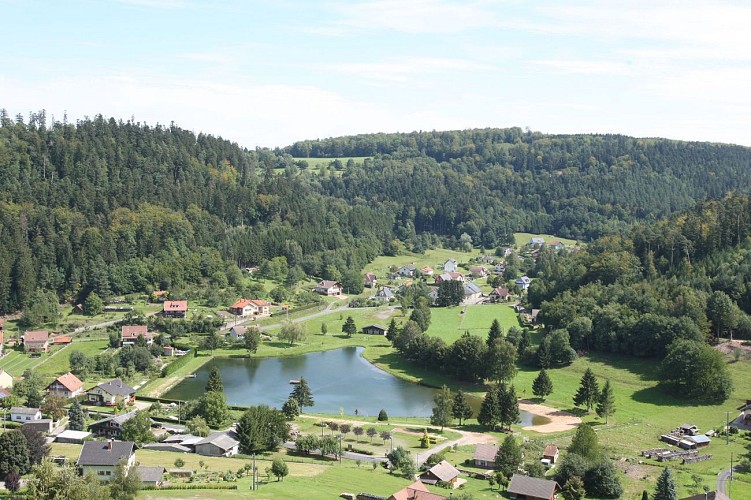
[
  {"x": 730, "y": 346},
  {"x": 559, "y": 420}
]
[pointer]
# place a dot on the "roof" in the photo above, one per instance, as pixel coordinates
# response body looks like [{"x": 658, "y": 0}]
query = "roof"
[
  {"x": 426, "y": 269},
  {"x": 523, "y": 279},
  {"x": 118, "y": 419},
  {"x": 503, "y": 292},
  {"x": 22, "y": 410},
  {"x": 688, "y": 426},
  {"x": 179, "y": 438},
  {"x": 239, "y": 330},
  {"x": 327, "y": 284},
  {"x": 176, "y": 305},
  {"x": 69, "y": 381},
  {"x": 62, "y": 340},
  {"x": 220, "y": 440},
  {"x": 700, "y": 439},
  {"x": 105, "y": 452},
  {"x": 260, "y": 303},
  {"x": 370, "y": 276},
  {"x": 68, "y": 434},
  {"x": 380, "y": 327},
  {"x": 550, "y": 450},
  {"x": 240, "y": 303},
  {"x": 36, "y": 336},
  {"x": 485, "y": 452},
  {"x": 471, "y": 289},
  {"x": 416, "y": 491},
  {"x": 385, "y": 292},
  {"x": 532, "y": 486},
  {"x": 150, "y": 474},
  {"x": 451, "y": 260},
  {"x": 4, "y": 393},
  {"x": 167, "y": 447},
  {"x": 117, "y": 387},
  {"x": 444, "y": 471},
  {"x": 133, "y": 331}
]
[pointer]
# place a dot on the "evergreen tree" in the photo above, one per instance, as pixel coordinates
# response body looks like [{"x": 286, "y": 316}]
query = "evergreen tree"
[
  {"x": 585, "y": 443},
  {"x": 460, "y": 408},
  {"x": 325, "y": 329},
  {"x": 442, "y": 409},
  {"x": 508, "y": 404},
  {"x": 392, "y": 332},
  {"x": 302, "y": 394},
  {"x": 606, "y": 402},
  {"x": 383, "y": 416},
  {"x": 524, "y": 342},
  {"x": 494, "y": 333},
  {"x": 252, "y": 340},
  {"x": 215, "y": 383},
  {"x": 645, "y": 495},
  {"x": 573, "y": 489},
  {"x": 542, "y": 385},
  {"x": 125, "y": 483},
  {"x": 33, "y": 397},
  {"x": 543, "y": 354},
  {"x": 588, "y": 392},
  {"x": 76, "y": 418},
  {"x": 490, "y": 411},
  {"x": 509, "y": 457},
  {"x": 500, "y": 361},
  {"x": 349, "y": 327},
  {"x": 665, "y": 489}
]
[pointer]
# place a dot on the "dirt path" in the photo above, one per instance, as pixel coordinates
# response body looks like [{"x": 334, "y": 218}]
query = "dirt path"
[{"x": 559, "y": 420}]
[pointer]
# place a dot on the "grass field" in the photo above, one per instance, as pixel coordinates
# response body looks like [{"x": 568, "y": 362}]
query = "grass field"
[
  {"x": 59, "y": 363},
  {"x": 522, "y": 239},
  {"x": 450, "y": 323}
]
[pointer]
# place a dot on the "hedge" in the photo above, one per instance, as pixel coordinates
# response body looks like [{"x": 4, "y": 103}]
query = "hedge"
[
  {"x": 178, "y": 363},
  {"x": 192, "y": 486}
]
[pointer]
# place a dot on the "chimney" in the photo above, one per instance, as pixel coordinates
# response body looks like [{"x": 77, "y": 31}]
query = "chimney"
[{"x": 109, "y": 444}]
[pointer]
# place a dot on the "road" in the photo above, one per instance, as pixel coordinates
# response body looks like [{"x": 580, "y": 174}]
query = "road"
[{"x": 723, "y": 480}]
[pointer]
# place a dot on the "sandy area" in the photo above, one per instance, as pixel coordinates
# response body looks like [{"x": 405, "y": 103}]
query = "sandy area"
[{"x": 559, "y": 420}]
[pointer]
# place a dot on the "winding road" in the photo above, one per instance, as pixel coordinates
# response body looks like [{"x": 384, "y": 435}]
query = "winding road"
[{"x": 723, "y": 480}]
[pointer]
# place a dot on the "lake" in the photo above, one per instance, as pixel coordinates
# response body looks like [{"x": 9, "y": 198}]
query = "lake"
[{"x": 341, "y": 381}]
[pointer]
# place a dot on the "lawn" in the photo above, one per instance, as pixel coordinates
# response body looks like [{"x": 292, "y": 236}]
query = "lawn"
[
  {"x": 59, "y": 362},
  {"x": 450, "y": 323},
  {"x": 522, "y": 239},
  {"x": 16, "y": 362}
]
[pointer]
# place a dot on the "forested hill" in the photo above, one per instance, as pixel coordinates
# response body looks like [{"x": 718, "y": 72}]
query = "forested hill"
[
  {"x": 118, "y": 207},
  {"x": 487, "y": 182}
]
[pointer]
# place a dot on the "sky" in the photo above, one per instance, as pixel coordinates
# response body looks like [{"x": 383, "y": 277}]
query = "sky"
[{"x": 270, "y": 72}]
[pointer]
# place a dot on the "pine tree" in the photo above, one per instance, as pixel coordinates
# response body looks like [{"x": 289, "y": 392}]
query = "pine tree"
[
  {"x": 460, "y": 408},
  {"x": 606, "y": 402},
  {"x": 508, "y": 404},
  {"x": 76, "y": 419},
  {"x": 542, "y": 386},
  {"x": 490, "y": 411},
  {"x": 392, "y": 332},
  {"x": 524, "y": 342},
  {"x": 588, "y": 391},
  {"x": 349, "y": 327},
  {"x": 215, "y": 383},
  {"x": 665, "y": 489},
  {"x": 442, "y": 409},
  {"x": 302, "y": 394},
  {"x": 509, "y": 457},
  {"x": 543, "y": 354},
  {"x": 494, "y": 333}
]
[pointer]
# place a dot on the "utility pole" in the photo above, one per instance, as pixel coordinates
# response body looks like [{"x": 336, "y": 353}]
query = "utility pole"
[
  {"x": 727, "y": 427},
  {"x": 253, "y": 487}
]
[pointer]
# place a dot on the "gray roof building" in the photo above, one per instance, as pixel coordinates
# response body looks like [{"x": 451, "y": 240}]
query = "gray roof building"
[
  {"x": 105, "y": 452},
  {"x": 531, "y": 487}
]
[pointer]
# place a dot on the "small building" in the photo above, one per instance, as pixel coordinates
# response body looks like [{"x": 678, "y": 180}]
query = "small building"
[
  {"x": 72, "y": 437},
  {"x": 374, "y": 330},
  {"x": 416, "y": 491},
  {"x": 36, "y": 341},
  {"x": 522, "y": 283},
  {"x": 686, "y": 444},
  {"x": 536, "y": 241},
  {"x": 670, "y": 439},
  {"x": 532, "y": 488},
  {"x": 218, "y": 444},
  {"x": 499, "y": 268},
  {"x": 688, "y": 429},
  {"x": 6, "y": 381},
  {"x": 262, "y": 307},
  {"x": 175, "y": 308},
  {"x": 130, "y": 333},
  {"x": 479, "y": 271},
  {"x": 550, "y": 453},
  {"x": 556, "y": 245},
  {"x": 111, "y": 427},
  {"x": 472, "y": 291},
  {"x": 23, "y": 414},
  {"x": 427, "y": 271},
  {"x": 500, "y": 294},
  {"x": 407, "y": 270},
  {"x": 700, "y": 440},
  {"x": 173, "y": 447},
  {"x": 450, "y": 265},
  {"x": 385, "y": 294},
  {"x": 242, "y": 307},
  {"x": 370, "y": 280},
  {"x": 237, "y": 333},
  {"x": 43, "y": 425},
  {"x": 485, "y": 455},
  {"x": 60, "y": 340},
  {"x": 110, "y": 393},
  {"x": 168, "y": 351},
  {"x": 442, "y": 471},
  {"x": 101, "y": 458},
  {"x": 66, "y": 386},
  {"x": 328, "y": 287},
  {"x": 151, "y": 476}
]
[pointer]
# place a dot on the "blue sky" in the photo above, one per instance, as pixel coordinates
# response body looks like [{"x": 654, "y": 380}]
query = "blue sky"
[{"x": 267, "y": 73}]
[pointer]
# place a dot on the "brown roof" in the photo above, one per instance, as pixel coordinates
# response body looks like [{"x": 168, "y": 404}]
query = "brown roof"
[
  {"x": 550, "y": 450},
  {"x": 327, "y": 284},
  {"x": 260, "y": 303},
  {"x": 1, "y": 336},
  {"x": 444, "y": 471},
  {"x": 176, "y": 305},
  {"x": 486, "y": 452},
  {"x": 240, "y": 304},
  {"x": 501, "y": 291},
  {"x": 532, "y": 486},
  {"x": 69, "y": 381},
  {"x": 416, "y": 491},
  {"x": 133, "y": 331},
  {"x": 36, "y": 336},
  {"x": 62, "y": 340}
]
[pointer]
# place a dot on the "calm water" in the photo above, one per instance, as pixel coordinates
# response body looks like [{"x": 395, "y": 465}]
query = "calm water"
[{"x": 341, "y": 380}]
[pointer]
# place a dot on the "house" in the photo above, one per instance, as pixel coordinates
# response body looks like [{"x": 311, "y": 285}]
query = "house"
[
  {"x": 486, "y": 259},
  {"x": 242, "y": 307},
  {"x": 427, "y": 271},
  {"x": 534, "y": 314},
  {"x": 159, "y": 295},
  {"x": 523, "y": 283},
  {"x": 385, "y": 294},
  {"x": 711, "y": 495},
  {"x": 66, "y": 386},
  {"x": 505, "y": 252},
  {"x": 450, "y": 265},
  {"x": 43, "y": 425},
  {"x": 23, "y": 414},
  {"x": 36, "y": 341},
  {"x": 218, "y": 444},
  {"x": 262, "y": 308},
  {"x": 532, "y": 488},
  {"x": 168, "y": 350},
  {"x": 550, "y": 453},
  {"x": 485, "y": 455},
  {"x": 499, "y": 268},
  {"x": 130, "y": 333},
  {"x": 433, "y": 295},
  {"x": 111, "y": 427},
  {"x": 110, "y": 393},
  {"x": 374, "y": 330},
  {"x": 151, "y": 476},
  {"x": 188, "y": 441},
  {"x": 72, "y": 437},
  {"x": 452, "y": 276},
  {"x": 407, "y": 270},
  {"x": 688, "y": 429},
  {"x": 442, "y": 471},
  {"x": 328, "y": 287},
  {"x": 370, "y": 280},
  {"x": 479, "y": 271},
  {"x": 6, "y": 381},
  {"x": 500, "y": 294},
  {"x": 536, "y": 242},
  {"x": 175, "y": 308},
  {"x": 237, "y": 333},
  {"x": 416, "y": 491},
  {"x": 556, "y": 245},
  {"x": 173, "y": 447},
  {"x": 472, "y": 291},
  {"x": 101, "y": 458},
  {"x": 62, "y": 340}
]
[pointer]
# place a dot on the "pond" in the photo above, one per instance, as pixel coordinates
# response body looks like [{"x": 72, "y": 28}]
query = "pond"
[{"x": 341, "y": 381}]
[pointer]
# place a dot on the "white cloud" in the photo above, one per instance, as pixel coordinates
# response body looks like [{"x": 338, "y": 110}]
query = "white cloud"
[
  {"x": 406, "y": 69},
  {"x": 586, "y": 67}
]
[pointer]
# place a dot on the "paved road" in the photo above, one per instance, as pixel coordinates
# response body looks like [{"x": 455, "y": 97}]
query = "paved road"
[{"x": 723, "y": 480}]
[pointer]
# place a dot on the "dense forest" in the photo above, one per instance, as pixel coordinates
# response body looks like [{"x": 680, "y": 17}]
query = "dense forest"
[{"x": 119, "y": 207}]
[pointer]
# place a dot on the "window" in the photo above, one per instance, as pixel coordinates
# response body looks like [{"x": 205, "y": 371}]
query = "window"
[
  {"x": 109, "y": 472},
  {"x": 100, "y": 472}
]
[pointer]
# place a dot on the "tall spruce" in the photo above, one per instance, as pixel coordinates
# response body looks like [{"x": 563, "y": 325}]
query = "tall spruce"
[
  {"x": 215, "y": 383},
  {"x": 606, "y": 402},
  {"x": 508, "y": 405},
  {"x": 665, "y": 489},
  {"x": 588, "y": 392},
  {"x": 460, "y": 409},
  {"x": 542, "y": 385},
  {"x": 393, "y": 331},
  {"x": 494, "y": 333},
  {"x": 76, "y": 418},
  {"x": 490, "y": 411},
  {"x": 302, "y": 394}
]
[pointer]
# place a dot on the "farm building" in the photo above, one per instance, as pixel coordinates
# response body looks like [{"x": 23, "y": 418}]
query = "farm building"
[{"x": 484, "y": 455}]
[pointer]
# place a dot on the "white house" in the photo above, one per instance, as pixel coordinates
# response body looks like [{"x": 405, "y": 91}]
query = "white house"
[
  {"x": 328, "y": 287},
  {"x": 102, "y": 457},
  {"x": 523, "y": 283},
  {"x": 385, "y": 294},
  {"x": 537, "y": 241},
  {"x": 66, "y": 386},
  {"x": 6, "y": 381},
  {"x": 23, "y": 414},
  {"x": 450, "y": 265}
]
